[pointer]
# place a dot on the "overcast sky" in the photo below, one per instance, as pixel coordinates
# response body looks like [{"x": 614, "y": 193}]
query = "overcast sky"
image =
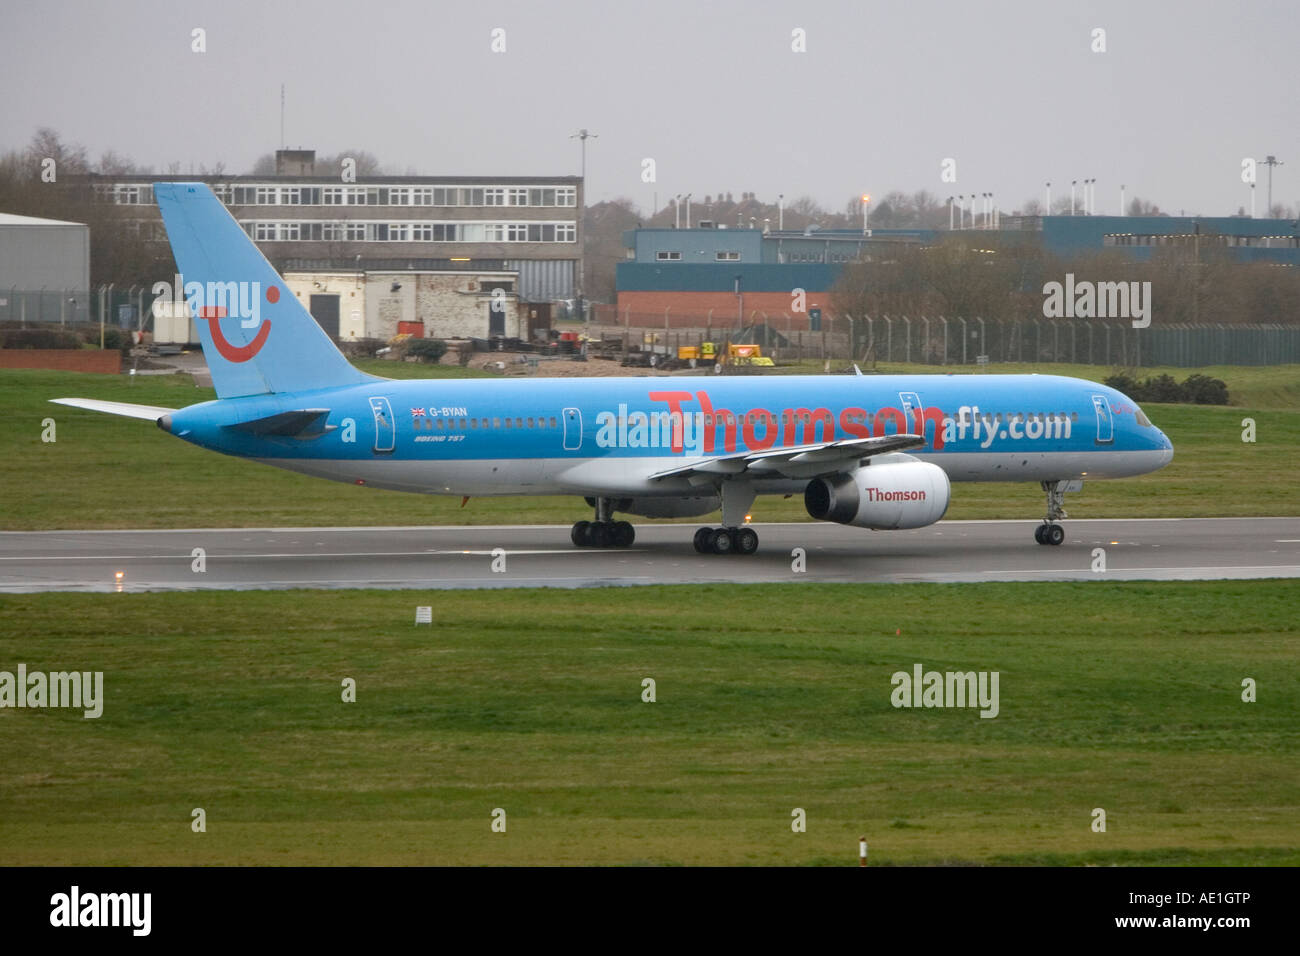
[{"x": 713, "y": 92}]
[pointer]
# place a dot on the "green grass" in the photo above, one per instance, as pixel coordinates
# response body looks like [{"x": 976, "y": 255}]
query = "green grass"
[
  {"x": 1120, "y": 696},
  {"x": 109, "y": 472}
]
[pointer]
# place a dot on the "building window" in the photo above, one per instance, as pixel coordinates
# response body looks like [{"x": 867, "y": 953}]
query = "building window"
[
  {"x": 399, "y": 196},
  {"x": 566, "y": 196},
  {"x": 668, "y": 256},
  {"x": 266, "y": 195},
  {"x": 518, "y": 197},
  {"x": 354, "y": 231},
  {"x": 727, "y": 256},
  {"x": 398, "y": 232},
  {"x": 333, "y": 195},
  {"x": 264, "y": 231},
  {"x": 422, "y": 231},
  {"x": 495, "y": 196},
  {"x": 568, "y": 232},
  {"x": 421, "y": 196}
]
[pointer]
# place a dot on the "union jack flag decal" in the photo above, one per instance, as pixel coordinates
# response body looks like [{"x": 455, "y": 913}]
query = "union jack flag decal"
[{"x": 417, "y": 413}]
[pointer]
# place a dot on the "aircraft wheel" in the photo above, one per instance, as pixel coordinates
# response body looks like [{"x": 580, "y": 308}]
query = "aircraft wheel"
[
  {"x": 599, "y": 534},
  {"x": 744, "y": 540},
  {"x": 579, "y": 534},
  {"x": 624, "y": 534},
  {"x": 1039, "y": 533},
  {"x": 720, "y": 541},
  {"x": 1054, "y": 534},
  {"x": 702, "y": 540}
]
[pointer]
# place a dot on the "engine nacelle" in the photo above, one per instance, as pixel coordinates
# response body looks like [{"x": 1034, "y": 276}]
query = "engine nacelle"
[{"x": 886, "y": 497}]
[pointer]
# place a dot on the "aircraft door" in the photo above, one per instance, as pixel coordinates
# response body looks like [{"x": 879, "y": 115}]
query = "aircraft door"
[
  {"x": 1105, "y": 421},
  {"x": 385, "y": 430},
  {"x": 911, "y": 403},
  {"x": 572, "y": 429}
]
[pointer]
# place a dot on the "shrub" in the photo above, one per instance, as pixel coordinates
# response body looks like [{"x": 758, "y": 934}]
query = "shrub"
[
  {"x": 119, "y": 339},
  {"x": 1196, "y": 390},
  {"x": 426, "y": 350},
  {"x": 1203, "y": 390},
  {"x": 1162, "y": 388},
  {"x": 1124, "y": 383},
  {"x": 39, "y": 339},
  {"x": 361, "y": 348}
]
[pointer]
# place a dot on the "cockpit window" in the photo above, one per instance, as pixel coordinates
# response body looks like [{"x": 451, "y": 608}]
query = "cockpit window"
[{"x": 1142, "y": 419}]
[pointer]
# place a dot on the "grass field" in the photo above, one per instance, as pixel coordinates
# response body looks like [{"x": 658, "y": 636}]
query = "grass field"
[
  {"x": 108, "y": 472},
  {"x": 1119, "y": 696}
]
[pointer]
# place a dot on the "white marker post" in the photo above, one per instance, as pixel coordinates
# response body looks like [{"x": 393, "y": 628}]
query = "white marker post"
[{"x": 862, "y": 852}]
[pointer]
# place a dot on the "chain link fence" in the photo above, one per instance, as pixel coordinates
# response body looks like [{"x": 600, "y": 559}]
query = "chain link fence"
[{"x": 944, "y": 340}]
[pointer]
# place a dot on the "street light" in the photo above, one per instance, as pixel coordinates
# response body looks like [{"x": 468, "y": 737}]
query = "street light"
[
  {"x": 780, "y": 212},
  {"x": 1048, "y": 211},
  {"x": 866, "y": 201},
  {"x": 1072, "y": 183},
  {"x": 582, "y": 136},
  {"x": 1270, "y": 162}
]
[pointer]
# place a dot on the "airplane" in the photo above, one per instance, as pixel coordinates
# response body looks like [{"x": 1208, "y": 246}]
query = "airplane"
[{"x": 871, "y": 451}]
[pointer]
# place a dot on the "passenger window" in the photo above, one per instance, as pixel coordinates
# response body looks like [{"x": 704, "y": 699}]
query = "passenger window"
[
  {"x": 507, "y": 423},
  {"x": 553, "y": 425},
  {"x": 530, "y": 422},
  {"x": 496, "y": 423},
  {"x": 463, "y": 424}
]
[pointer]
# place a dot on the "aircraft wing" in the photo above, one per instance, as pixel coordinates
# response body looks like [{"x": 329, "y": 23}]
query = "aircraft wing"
[
  {"x": 147, "y": 412},
  {"x": 799, "y": 461}
]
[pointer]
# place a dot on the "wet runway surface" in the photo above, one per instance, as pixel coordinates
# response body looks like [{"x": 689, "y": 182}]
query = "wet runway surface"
[{"x": 542, "y": 556}]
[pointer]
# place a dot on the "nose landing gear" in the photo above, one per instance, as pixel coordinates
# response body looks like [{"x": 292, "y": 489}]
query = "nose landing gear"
[{"x": 1049, "y": 532}]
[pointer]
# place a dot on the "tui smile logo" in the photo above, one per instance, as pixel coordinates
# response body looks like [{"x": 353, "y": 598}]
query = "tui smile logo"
[{"x": 218, "y": 300}]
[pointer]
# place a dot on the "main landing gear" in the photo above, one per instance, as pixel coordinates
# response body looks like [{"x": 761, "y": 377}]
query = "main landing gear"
[
  {"x": 734, "y": 537},
  {"x": 1049, "y": 532},
  {"x": 726, "y": 541},
  {"x": 603, "y": 532}
]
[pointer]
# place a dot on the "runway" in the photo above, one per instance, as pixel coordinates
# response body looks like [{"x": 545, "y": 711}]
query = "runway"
[{"x": 542, "y": 556}]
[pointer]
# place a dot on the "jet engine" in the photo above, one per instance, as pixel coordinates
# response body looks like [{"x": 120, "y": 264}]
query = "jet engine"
[{"x": 886, "y": 497}]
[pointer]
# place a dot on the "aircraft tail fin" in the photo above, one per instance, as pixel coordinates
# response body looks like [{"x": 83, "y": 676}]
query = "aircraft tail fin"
[{"x": 257, "y": 337}]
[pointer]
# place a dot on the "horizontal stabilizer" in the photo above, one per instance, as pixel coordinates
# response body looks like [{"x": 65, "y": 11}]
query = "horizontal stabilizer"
[
  {"x": 146, "y": 412},
  {"x": 299, "y": 423}
]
